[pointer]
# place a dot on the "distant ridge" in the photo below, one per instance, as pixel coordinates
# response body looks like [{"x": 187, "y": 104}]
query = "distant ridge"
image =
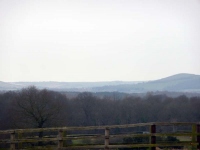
[
  {"x": 8, "y": 86},
  {"x": 178, "y": 82},
  {"x": 180, "y": 76},
  {"x": 182, "y": 82}
]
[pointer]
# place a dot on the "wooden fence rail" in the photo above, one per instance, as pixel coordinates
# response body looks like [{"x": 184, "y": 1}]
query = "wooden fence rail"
[{"x": 24, "y": 138}]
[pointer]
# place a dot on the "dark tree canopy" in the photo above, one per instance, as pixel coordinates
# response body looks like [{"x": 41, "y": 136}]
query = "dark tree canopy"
[
  {"x": 31, "y": 107},
  {"x": 37, "y": 108}
]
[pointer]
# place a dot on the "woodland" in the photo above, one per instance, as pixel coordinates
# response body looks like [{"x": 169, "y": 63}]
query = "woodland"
[{"x": 37, "y": 108}]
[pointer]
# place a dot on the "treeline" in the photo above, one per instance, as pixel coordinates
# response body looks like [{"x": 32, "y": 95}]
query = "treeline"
[{"x": 31, "y": 108}]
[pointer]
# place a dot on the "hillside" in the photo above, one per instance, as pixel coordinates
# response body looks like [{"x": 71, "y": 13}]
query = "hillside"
[
  {"x": 179, "y": 82},
  {"x": 176, "y": 83},
  {"x": 62, "y": 86},
  {"x": 4, "y": 86}
]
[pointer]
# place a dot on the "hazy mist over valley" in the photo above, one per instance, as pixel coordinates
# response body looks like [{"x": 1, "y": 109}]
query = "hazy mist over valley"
[{"x": 176, "y": 85}]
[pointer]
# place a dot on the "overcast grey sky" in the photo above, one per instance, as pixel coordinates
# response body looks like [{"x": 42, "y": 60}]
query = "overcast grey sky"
[{"x": 98, "y": 40}]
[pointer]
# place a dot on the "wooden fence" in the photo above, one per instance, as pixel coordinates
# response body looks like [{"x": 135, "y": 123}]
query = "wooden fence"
[{"x": 110, "y": 137}]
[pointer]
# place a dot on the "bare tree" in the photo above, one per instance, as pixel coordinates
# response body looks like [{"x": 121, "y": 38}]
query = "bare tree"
[{"x": 37, "y": 108}]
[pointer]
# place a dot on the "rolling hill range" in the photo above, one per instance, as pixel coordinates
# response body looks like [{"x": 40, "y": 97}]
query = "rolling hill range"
[
  {"x": 61, "y": 86},
  {"x": 177, "y": 83}
]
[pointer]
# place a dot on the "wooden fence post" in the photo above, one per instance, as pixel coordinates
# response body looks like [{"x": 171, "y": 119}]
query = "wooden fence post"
[
  {"x": 20, "y": 143},
  {"x": 153, "y": 137},
  {"x": 12, "y": 138},
  {"x": 194, "y": 136},
  {"x": 198, "y": 136},
  {"x": 107, "y": 135},
  {"x": 64, "y": 135},
  {"x": 60, "y": 139}
]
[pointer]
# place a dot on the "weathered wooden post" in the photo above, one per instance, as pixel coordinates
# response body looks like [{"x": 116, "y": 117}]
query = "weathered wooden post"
[
  {"x": 60, "y": 139},
  {"x": 153, "y": 137},
  {"x": 20, "y": 143},
  {"x": 198, "y": 136},
  {"x": 40, "y": 143},
  {"x": 107, "y": 136},
  {"x": 64, "y": 135},
  {"x": 194, "y": 136},
  {"x": 12, "y": 138}
]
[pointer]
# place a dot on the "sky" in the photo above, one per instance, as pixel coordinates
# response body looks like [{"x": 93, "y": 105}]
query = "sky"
[{"x": 98, "y": 40}]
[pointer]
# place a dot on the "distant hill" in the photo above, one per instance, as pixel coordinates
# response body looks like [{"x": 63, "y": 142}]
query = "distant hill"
[
  {"x": 61, "y": 86},
  {"x": 177, "y": 83},
  {"x": 4, "y": 86}
]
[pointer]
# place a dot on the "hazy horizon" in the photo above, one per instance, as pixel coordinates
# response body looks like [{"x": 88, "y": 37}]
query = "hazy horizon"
[
  {"x": 102, "y": 80},
  {"x": 92, "y": 41}
]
